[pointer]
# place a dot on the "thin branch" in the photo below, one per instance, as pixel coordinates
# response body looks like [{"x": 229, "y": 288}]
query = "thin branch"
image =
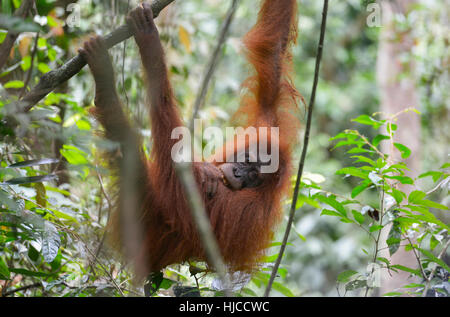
[
  {"x": 54, "y": 78},
  {"x": 23, "y": 288},
  {"x": 377, "y": 241},
  {"x": 186, "y": 177},
  {"x": 30, "y": 71},
  {"x": 305, "y": 147},
  {"x": 200, "y": 99},
  {"x": 441, "y": 184},
  {"x": 428, "y": 281},
  {"x": 419, "y": 262},
  {"x": 8, "y": 42}
]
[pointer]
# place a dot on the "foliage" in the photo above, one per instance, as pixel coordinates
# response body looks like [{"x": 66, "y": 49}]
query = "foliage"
[
  {"x": 407, "y": 214},
  {"x": 52, "y": 232}
]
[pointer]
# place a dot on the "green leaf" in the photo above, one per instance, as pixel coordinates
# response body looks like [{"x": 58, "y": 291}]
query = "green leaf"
[
  {"x": 349, "y": 142},
  {"x": 30, "y": 179},
  {"x": 74, "y": 155},
  {"x": 302, "y": 199},
  {"x": 375, "y": 228},
  {"x": 51, "y": 22},
  {"x": 345, "y": 276},
  {"x": 402, "y": 179},
  {"x": 282, "y": 289},
  {"x": 353, "y": 171},
  {"x": 407, "y": 269},
  {"x": 30, "y": 273},
  {"x": 384, "y": 260},
  {"x": 393, "y": 294},
  {"x": 332, "y": 202},
  {"x": 414, "y": 285},
  {"x": 328, "y": 212},
  {"x": 4, "y": 271},
  {"x": 432, "y": 204},
  {"x": 434, "y": 259},
  {"x": 43, "y": 68},
  {"x": 42, "y": 42},
  {"x": 360, "y": 188},
  {"x": 358, "y": 150},
  {"x": 14, "y": 84},
  {"x": 434, "y": 174},
  {"x": 364, "y": 159},
  {"x": 426, "y": 216},
  {"x": 367, "y": 120},
  {"x": 83, "y": 125},
  {"x": 249, "y": 292},
  {"x": 416, "y": 196},
  {"x": 377, "y": 139},
  {"x": 345, "y": 135},
  {"x": 358, "y": 216},
  {"x": 26, "y": 63},
  {"x": 398, "y": 195},
  {"x": 404, "y": 150},
  {"x": 34, "y": 162}
]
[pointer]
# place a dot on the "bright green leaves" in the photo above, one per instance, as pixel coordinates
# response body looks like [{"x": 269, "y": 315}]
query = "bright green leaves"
[
  {"x": 74, "y": 155},
  {"x": 404, "y": 150},
  {"x": 407, "y": 213},
  {"x": 367, "y": 120}
]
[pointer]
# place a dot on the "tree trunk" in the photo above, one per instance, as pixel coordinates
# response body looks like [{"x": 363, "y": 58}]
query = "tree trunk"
[{"x": 396, "y": 81}]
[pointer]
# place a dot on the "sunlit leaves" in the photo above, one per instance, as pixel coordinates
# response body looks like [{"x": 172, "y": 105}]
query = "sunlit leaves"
[
  {"x": 14, "y": 84},
  {"x": 74, "y": 155}
]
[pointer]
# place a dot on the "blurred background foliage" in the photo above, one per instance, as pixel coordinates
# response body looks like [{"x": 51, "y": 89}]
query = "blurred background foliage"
[{"x": 76, "y": 207}]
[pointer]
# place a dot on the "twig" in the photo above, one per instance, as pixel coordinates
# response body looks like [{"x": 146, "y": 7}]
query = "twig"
[
  {"x": 305, "y": 147},
  {"x": 442, "y": 183},
  {"x": 377, "y": 240},
  {"x": 33, "y": 54},
  {"x": 419, "y": 262},
  {"x": 200, "y": 99},
  {"x": 8, "y": 42},
  {"x": 105, "y": 270},
  {"x": 54, "y": 78},
  {"x": 428, "y": 281},
  {"x": 186, "y": 177},
  {"x": 23, "y": 288}
]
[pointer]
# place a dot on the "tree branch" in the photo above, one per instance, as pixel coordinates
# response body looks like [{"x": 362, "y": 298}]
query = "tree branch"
[
  {"x": 54, "y": 78},
  {"x": 305, "y": 146}
]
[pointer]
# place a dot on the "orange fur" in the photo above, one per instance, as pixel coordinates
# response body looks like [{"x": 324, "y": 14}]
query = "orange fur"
[{"x": 243, "y": 221}]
